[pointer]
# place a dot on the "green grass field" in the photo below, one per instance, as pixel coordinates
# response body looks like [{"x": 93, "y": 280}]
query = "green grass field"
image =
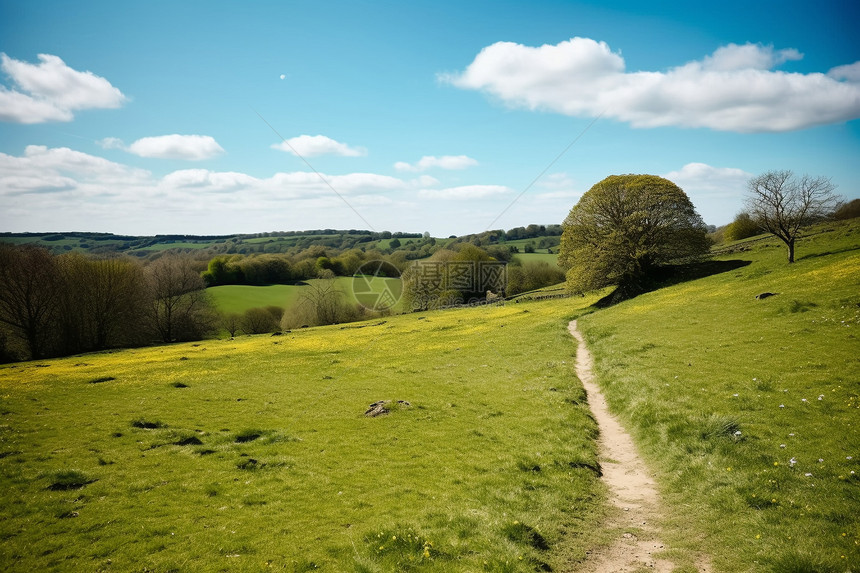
[
  {"x": 256, "y": 453},
  {"x": 749, "y": 410}
]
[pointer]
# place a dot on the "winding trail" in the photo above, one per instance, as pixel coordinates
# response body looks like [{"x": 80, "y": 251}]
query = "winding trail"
[{"x": 631, "y": 489}]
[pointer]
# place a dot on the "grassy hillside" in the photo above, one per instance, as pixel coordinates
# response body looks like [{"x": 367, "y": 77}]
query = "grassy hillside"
[
  {"x": 256, "y": 453},
  {"x": 749, "y": 410}
]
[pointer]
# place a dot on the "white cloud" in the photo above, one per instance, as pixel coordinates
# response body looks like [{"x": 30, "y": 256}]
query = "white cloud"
[
  {"x": 733, "y": 89},
  {"x": 703, "y": 177},
  {"x": 748, "y": 57},
  {"x": 850, "y": 72},
  {"x": 49, "y": 169},
  {"x": 717, "y": 192},
  {"x": 56, "y": 189},
  {"x": 465, "y": 192},
  {"x": 191, "y": 147},
  {"x": 425, "y": 181},
  {"x": 111, "y": 143},
  {"x": 210, "y": 181},
  {"x": 79, "y": 177},
  {"x": 452, "y": 162},
  {"x": 52, "y": 91},
  {"x": 311, "y": 145}
]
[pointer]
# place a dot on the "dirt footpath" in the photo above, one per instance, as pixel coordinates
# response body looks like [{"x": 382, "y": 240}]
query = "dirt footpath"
[{"x": 631, "y": 489}]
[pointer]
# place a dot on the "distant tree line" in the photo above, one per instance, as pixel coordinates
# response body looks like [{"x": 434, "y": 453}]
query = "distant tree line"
[
  {"x": 54, "y": 305},
  {"x": 415, "y": 245},
  {"x": 286, "y": 268}
]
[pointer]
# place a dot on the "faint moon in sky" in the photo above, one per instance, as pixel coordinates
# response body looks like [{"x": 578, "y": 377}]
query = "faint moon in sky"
[{"x": 283, "y": 76}]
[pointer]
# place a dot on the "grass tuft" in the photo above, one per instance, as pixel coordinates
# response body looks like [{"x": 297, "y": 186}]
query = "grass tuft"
[
  {"x": 145, "y": 424},
  {"x": 246, "y": 436},
  {"x": 64, "y": 480},
  {"x": 525, "y": 534},
  {"x": 717, "y": 426},
  {"x": 249, "y": 464},
  {"x": 795, "y": 562}
]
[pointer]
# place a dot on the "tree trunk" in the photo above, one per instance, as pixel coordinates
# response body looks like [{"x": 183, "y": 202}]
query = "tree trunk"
[{"x": 791, "y": 250}]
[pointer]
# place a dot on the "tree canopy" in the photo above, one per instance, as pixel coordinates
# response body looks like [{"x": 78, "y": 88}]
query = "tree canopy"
[{"x": 624, "y": 228}]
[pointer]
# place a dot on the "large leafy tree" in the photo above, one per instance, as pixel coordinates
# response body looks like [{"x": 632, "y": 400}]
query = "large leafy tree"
[
  {"x": 782, "y": 204},
  {"x": 624, "y": 228}
]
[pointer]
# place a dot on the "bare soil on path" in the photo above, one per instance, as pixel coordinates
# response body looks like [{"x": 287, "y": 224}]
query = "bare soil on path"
[{"x": 636, "y": 545}]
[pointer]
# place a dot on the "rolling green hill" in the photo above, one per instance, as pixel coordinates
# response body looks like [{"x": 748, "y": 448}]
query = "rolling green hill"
[
  {"x": 749, "y": 409},
  {"x": 256, "y": 453}
]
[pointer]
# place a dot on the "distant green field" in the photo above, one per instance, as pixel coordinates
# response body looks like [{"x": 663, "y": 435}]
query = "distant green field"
[{"x": 239, "y": 298}]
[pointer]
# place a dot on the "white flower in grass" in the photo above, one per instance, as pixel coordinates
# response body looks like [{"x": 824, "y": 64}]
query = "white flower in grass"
[
  {"x": 792, "y": 461},
  {"x": 782, "y": 445},
  {"x": 803, "y": 399},
  {"x": 848, "y": 458},
  {"x": 791, "y": 434},
  {"x": 820, "y": 460},
  {"x": 821, "y": 397},
  {"x": 808, "y": 475},
  {"x": 782, "y": 405}
]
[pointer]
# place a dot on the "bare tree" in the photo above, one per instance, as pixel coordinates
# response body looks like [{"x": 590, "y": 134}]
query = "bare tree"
[
  {"x": 180, "y": 308},
  {"x": 231, "y": 322},
  {"x": 101, "y": 302},
  {"x": 782, "y": 204},
  {"x": 320, "y": 303},
  {"x": 28, "y": 295}
]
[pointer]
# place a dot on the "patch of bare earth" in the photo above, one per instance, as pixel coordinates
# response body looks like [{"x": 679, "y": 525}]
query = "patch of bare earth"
[{"x": 634, "y": 521}]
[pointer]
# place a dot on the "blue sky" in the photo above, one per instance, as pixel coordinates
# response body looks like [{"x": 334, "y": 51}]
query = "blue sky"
[{"x": 449, "y": 117}]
